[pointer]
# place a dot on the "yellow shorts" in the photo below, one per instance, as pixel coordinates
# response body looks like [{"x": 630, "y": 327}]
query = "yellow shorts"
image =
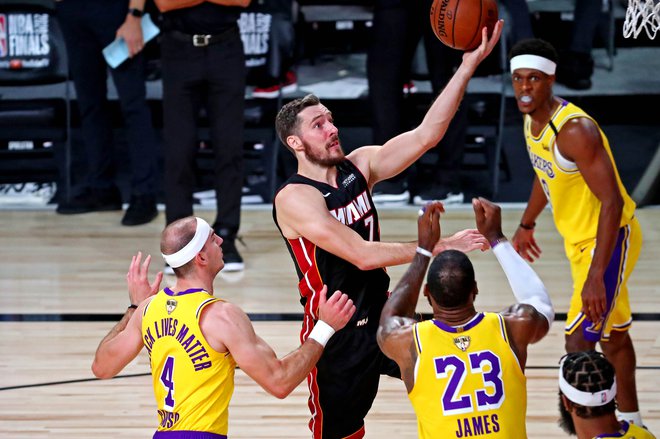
[{"x": 624, "y": 257}]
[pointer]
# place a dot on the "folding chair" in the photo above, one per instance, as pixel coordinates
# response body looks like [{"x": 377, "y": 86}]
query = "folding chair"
[{"x": 35, "y": 96}]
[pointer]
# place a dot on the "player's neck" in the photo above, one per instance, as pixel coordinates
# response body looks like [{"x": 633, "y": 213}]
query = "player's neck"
[
  {"x": 455, "y": 316},
  {"x": 592, "y": 427},
  {"x": 193, "y": 281},
  {"x": 543, "y": 114},
  {"x": 324, "y": 174}
]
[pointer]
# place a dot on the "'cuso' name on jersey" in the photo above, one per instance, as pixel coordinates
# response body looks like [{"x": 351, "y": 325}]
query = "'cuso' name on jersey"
[
  {"x": 354, "y": 211},
  {"x": 542, "y": 164}
]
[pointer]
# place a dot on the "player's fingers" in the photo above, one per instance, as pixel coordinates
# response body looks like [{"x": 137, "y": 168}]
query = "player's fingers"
[
  {"x": 348, "y": 309},
  {"x": 478, "y": 207},
  {"x": 339, "y": 299},
  {"x": 323, "y": 293},
  {"x": 145, "y": 264},
  {"x": 130, "y": 267},
  {"x": 156, "y": 283}
]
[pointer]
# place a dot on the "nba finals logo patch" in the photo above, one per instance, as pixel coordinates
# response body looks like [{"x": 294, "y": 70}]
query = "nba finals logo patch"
[
  {"x": 462, "y": 342},
  {"x": 171, "y": 306},
  {"x": 3, "y": 36}
]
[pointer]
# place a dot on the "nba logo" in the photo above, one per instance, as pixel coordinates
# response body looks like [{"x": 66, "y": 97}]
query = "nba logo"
[{"x": 3, "y": 36}]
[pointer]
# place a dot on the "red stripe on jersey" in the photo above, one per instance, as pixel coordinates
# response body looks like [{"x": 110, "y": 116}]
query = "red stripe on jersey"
[
  {"x": 357, "y": 435},
  {"x": 316, "y": 421},
  {"x": 304, "y": 252}
]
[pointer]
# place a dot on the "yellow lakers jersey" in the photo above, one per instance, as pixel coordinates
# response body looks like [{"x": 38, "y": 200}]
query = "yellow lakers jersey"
[
  {"x": 574, "y": 207},
  {"x": 468, "y": 382},
  {"x": 192, "y": 382},
  {"x": 629, "y": 431}
]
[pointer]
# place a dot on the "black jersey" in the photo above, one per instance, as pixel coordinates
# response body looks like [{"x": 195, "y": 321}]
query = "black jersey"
[{"x": 351, "y": 204}]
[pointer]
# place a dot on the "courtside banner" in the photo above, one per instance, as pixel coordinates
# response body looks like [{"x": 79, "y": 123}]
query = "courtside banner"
[{"x": 24, "y": 40}]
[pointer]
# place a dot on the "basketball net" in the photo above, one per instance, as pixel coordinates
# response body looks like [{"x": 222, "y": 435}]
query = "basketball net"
[{"x": 642, "y": 14}]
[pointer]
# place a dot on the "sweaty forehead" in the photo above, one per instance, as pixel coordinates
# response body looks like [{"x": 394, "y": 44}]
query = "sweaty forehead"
[{"x": 311, "y": 113}]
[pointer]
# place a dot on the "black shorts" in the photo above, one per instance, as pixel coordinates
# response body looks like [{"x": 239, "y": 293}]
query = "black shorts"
[{"x": 345, "y": 382}]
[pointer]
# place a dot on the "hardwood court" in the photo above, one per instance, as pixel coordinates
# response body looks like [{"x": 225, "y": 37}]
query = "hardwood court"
[{"x": 71, "y": 271}]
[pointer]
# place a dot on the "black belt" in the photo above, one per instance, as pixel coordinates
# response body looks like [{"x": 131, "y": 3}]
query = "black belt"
[{"x": 201, "y": 40}]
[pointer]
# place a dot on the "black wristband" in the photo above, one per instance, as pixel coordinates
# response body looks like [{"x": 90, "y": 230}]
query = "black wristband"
[
  {"x": 132, "y": 306},
  {"x": 135, "y": 12},
  {"x": 526, "y": 227}
]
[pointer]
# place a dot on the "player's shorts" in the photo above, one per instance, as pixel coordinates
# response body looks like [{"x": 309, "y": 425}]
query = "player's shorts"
[
  {"x": 624, "y": 257},
  {"x": 344, "y": 383}
]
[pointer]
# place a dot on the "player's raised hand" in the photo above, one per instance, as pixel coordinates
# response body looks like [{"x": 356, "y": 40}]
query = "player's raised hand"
[
  {"x": 138, "y": 281},
  {"x": 488, "y": 216},
  {"x": 428, "y": 225},
  {"x": 487, "y": 44},
  {"x": 337, "y": 310}
]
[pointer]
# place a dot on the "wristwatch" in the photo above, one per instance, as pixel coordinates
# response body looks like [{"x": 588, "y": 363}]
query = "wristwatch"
[{"x": 135, "y": 12}]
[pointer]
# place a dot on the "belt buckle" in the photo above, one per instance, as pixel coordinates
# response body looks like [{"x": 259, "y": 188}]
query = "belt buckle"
[{"x": 201, "y": 40}]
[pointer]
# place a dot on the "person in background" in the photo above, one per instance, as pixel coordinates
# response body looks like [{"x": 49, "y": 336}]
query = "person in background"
[
  {"x": 464, "y": 370},
  {"x": 88, "y": 27},
  {"x": 576, "y": 62},
  {"x": 587, "y": 391},
  {"x": 577, "y": 175},
  {"x": 398, "y": 27},
  {"x": 203, "y": 64},
  {"x": 195, "y": 340}
]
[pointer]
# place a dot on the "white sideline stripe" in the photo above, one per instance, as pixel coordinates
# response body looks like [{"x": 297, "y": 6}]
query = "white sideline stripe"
[{"x": 268, "y": 207}]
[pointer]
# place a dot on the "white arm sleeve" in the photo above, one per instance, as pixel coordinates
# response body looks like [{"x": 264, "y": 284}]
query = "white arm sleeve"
[{"x": 526, "y": 285}]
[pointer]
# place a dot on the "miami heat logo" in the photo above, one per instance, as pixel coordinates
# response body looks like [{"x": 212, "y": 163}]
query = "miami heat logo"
[
  {"x": 171, "y": 305},
  {"x": 462, "y": 342}
]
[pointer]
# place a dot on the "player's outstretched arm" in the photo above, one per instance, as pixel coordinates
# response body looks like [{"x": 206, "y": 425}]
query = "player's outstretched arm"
[
  {"x": 530, "y": 318},
  {"x": 398, "y": 153},
  {"x": 124, "y": 341},
  {"x": 395, "y": 327},
  {"x": 228, "y": 328},
  {"x": 302, "y": 212}
]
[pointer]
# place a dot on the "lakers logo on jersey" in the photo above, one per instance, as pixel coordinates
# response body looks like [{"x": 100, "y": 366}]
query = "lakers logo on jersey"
[
  {"x": 462, "y": 342},
  {"x": 170, "y": 306}
]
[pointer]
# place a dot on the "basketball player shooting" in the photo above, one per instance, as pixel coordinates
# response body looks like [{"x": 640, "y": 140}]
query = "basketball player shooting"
[{"x": 329, "y": 223}]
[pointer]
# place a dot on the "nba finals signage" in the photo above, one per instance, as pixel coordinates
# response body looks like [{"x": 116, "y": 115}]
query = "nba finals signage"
[{"x": 24, "y": 41}]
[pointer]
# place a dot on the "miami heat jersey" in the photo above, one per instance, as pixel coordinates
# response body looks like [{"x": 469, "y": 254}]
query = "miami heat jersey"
[
  {"x": 349, "y": 201},
  {"x": 193, "y": 383},
  {"x": 468, "y": 382},
  {"x": 574, "y": 207}
]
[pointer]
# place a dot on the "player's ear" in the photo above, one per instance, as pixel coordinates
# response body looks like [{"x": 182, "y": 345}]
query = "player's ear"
[{"x": 294, "y": 142}]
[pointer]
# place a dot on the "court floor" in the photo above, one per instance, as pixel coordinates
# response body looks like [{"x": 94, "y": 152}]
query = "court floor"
[{"x": 64, "y": 288}]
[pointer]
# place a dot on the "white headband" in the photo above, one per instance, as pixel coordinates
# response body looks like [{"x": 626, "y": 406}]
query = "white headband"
[
  {"x": 586, "y": 399},
  {"x": 191, "y": 249},
  {"x": 533, "y": 62}
]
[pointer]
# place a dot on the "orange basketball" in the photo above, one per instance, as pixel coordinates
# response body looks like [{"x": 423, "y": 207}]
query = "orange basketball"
[{"x": 458, "y": 23}]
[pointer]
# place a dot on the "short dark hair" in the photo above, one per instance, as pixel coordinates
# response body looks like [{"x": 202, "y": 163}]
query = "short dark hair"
[
  {"x": 589, "y": 371},
  {"x": 534, "y": 46},
  {"x": 176, "y": 236},
  {"x": 287, "y": 122},
  {"x": 450, "y": 279}
]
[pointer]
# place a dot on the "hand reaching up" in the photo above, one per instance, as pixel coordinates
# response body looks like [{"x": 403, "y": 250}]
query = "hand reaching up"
[
  {"x": 138, "y": 282},
  {"x": 489, "y": 218},
  {"x": 428, "y": 225}
]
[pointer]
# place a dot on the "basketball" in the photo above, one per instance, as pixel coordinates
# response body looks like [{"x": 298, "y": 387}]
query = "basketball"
[{"x": 458, "y": 23}]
